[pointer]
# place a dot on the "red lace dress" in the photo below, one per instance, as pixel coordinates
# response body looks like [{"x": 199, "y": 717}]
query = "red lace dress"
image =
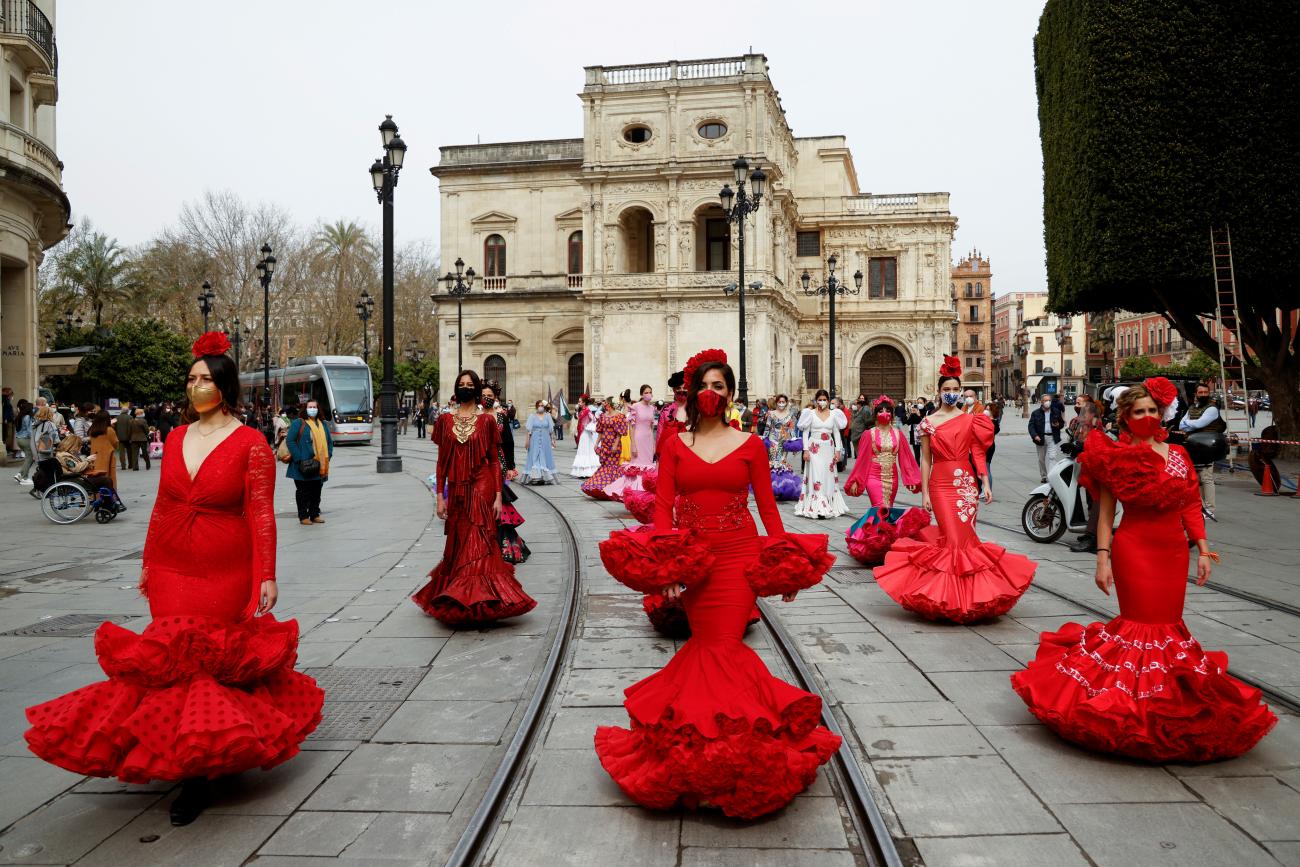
[
  {"x": 471, "y": 584},
  {"x": 207, "y": 689},
  {"x": 610, "y": 428},
  {"x": 1141, "y": 685},
  {"x": 952, "y": 575},
  {"x": 714, "y": 727}
]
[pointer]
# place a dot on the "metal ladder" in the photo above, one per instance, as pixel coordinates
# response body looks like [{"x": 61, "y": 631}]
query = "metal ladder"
[{"x": 1231, "y": 365}]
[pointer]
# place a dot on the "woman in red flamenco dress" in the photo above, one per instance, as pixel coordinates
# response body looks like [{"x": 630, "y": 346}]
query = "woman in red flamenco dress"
[
  {"x": 952, "y": 575},
  {"x": 714, "y": 728},
  {"x": 1140, "y": 685},
  {"x": 472, "y": 584},
  {"x": 610, "y": 428},
  {"x": 208, "y": 689}
]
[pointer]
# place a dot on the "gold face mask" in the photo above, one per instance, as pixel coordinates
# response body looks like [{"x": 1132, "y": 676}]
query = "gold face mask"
[{"x": 204, "y": 397}]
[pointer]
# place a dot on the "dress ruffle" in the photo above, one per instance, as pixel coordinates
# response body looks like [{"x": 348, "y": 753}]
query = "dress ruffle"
[
  {"x": 189, "y": 697},
  {"x": 641, "y": 505},
  {"x": 1142, "y": 690},
  {"x": 514, "y": 549},
  {"x": 647, "y": 560},
  {"x": 870, "y": 537},
  {"x": 668, "y": 616},
  {"x": 479, "y": 592},
  {"x": 789, "y": 563},
  {"x": 962, "y": 585},
  {"x": 786, "y": 483},
  {"x": 714, "y": 728}
]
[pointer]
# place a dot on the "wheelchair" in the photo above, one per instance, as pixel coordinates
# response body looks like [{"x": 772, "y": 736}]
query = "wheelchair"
[{"x": 73, "y": 496}]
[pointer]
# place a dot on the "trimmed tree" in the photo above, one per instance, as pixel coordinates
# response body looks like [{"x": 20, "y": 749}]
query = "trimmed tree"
[
  {"x": 139, "y": 360},
  {"x": 1160, "y": 119}
]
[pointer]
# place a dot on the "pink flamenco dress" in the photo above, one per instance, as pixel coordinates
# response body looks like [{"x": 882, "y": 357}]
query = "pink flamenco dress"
[
  {"x": 1140, "y": 685},
  {"x": 472, "y": 584},
  {"x": 951, "y": 575},
  {"x": 610, "y": 428},
  {"x": 885, "y": 463},
  {"x": 714, "y": 728},
  {"x": 207, "y": 689}
]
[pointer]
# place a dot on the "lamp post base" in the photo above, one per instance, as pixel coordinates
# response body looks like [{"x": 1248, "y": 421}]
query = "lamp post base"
[
  {"x": 389, "y": 461},
  {"x": 388, "y": 464}
]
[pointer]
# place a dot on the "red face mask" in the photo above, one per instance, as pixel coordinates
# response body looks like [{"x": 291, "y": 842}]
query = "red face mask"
[
  {"x": 884, "y": 417},
  {"x": 711, "y": 403},
  {"x": 1146, "y": 427}
]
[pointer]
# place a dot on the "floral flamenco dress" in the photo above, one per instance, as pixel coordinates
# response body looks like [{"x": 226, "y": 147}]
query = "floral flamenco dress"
[
  {"x": 207, "y": 689},
  {"x": 714, "y": 727},
  {"x": 610, "y": 428},
  {"x": 951, "y": 575},
  {"x": 1140, "y": 685},
  {"x": 786, "y": 484},
  {"x": 471, "y": 584}
]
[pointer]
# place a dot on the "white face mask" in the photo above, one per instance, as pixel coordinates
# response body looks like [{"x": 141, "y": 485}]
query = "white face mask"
[
  {"x": 970, "y": 401},
  {"x": 781, "y": 405},
  {"x": 821, "y": 402}
]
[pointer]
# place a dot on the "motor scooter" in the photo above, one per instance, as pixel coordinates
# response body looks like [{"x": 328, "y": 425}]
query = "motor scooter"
[{"x": 1060, "y": 503}]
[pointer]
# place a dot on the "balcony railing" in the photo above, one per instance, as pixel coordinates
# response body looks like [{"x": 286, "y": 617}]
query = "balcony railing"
[
  {"x": 896, "y": 203},
  {"x": 575, "y": 281},
  {"x": 21, "y": 147},
  {"x": 494, "y": 282},
  {"x": 676, "y": 70},
  {"x": 23, "y": 18}
]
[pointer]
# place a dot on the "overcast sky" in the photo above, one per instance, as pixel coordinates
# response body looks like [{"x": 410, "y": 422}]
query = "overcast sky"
[{"x": 278, "y": 100}]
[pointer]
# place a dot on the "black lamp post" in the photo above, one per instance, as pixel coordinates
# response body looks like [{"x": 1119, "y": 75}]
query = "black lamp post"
[
  {"x": 365, "y": 309},
  {"x": 383, "y": 176},
  {"x": 834, "y": 286},
  {"x": 66, "y": 323},
  {"x": 738, "y": 205},
  {"x": 265, "y": 269},
  {"x": 206, "y": 297},
  {"x": 458, "y": 286},
  {"x": 236, "y": 339}
]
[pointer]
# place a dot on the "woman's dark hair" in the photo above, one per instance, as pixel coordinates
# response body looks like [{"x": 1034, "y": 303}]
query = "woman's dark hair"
[
  {"x": 626, "y": 395},
  {"x": 783, "y": 397},
  {"x": 24, "y": 410},
  {"x": 100, "y": 424},
  {"x": 474, "y": 381},
  {"x": 644, "y": 389},
  {"x": 943, "y": 379},
  {"x": 821, "y": 392},
  {"x": 884, "y": 405},
  {"x": 492, "y": 384},
  {"x": 225, "y": 376},
  {"x": 697, "y": 383},
  {"x": 677, "y": 380}
]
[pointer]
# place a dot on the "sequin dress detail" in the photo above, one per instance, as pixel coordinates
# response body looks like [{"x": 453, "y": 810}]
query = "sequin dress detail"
[
  {"x": 1141, "y": 685},
  {"x": 207, "y": 689}
]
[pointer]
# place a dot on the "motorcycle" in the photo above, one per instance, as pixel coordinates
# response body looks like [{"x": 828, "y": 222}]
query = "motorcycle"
[{"x": 1060, "y": 503}]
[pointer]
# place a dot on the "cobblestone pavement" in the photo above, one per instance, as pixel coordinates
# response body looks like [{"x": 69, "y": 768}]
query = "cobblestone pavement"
[{"x": 419, "y": 715}]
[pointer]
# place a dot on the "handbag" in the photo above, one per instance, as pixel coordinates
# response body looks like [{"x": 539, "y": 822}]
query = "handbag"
[
  {"x": 155, "y": 446},
  {"x": 309, "y": 467},
  {"x": 282, "y": 453}
]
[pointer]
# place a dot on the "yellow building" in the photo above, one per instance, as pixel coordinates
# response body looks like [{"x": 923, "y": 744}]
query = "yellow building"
[
  {"x": 972, "y": 296},
  {"x": 33, "y": 208},
  {"x": 604, "y": 261}
]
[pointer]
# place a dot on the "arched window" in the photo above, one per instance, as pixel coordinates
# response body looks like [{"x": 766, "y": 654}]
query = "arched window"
[
  {"x": 577, "y": 374},
  {"x": 575, "y": 252},
  {"x": 494, "y": 367},
  {"x": 494, "y": 256}
]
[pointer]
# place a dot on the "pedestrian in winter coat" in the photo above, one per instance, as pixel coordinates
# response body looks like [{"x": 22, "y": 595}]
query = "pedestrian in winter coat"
[
  {"x": 1045, "y": 425},
  {"x": 309, "y": 439},
  {"x": 103, "y": 445},
  {"x": 138, "y": 447},
  {"x": 122, "y": 427}
]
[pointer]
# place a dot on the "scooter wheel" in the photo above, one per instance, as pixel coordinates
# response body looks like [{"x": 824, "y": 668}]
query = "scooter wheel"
[{"x": 1043, "y": 519}]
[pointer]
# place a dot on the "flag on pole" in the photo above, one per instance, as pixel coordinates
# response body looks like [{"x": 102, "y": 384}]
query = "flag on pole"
[{"x": 565, "y": 413}]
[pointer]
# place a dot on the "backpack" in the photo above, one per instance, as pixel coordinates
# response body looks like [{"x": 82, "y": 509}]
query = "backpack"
[{"x": 46, "y": 439}]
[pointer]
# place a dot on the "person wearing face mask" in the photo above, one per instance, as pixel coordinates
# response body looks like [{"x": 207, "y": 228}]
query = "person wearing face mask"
[
  {"x": 540, "y": 467},
  {"x": 714, "y": 727},
  {"x": 884, "y": 463},
  {"x": 954, "y": 576},
  {"x": 919, "y": 409},
  {"x": 610, "y": 428},
  {"x": 1046, "y": 434},
  {"x": 672, "y": 419},
  {"x": 641, "y": 420},
  {"x": 310, "y": 449},
  {"x": 822, "y": 448},
  {"x": 472, "y": 584},
  {"x": 1204, "y": 415},
  {"x": 782, "y": 436},
  {"x": 1141, "y": 685},
  {"x": 585, "y": 461},
  {"x": 168, "y": 711}
]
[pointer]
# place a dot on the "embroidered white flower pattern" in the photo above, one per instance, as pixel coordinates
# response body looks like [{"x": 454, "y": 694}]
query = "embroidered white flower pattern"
[{"x": 968, "y": 494}]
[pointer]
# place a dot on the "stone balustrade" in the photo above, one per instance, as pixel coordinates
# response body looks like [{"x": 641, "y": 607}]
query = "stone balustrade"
[
  {"x": 896, "y": 203},
  {"x": 22, "y": 148},
  {"x": 677, "y": 70},
  {"x": 549, "y": 150}
]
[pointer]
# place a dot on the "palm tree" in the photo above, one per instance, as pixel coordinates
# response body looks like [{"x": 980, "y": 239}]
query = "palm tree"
[
  {"x": 98, "y": 271},
  {"x": 346, "y": 254}
]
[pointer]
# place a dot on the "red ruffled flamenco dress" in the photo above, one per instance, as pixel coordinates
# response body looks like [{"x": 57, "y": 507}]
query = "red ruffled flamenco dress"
[
  {"x": 207, "y": 689},
  {"x": 1140, "y": 685},
  {"x": 714, "y": 727},
  {"x": 471, "y": 584},
  {"x": 950, "y": 574}
]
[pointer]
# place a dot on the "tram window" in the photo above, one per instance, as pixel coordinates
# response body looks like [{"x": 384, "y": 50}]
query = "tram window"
[{"x": 351, "y": 389}]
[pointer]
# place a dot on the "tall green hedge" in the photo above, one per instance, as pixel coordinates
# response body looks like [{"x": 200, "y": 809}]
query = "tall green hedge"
[{"x": 1159, "y": 118}]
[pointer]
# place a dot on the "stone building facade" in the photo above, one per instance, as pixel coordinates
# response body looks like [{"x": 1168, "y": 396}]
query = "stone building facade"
[
  {"x": 34, "y": 211},
  {"x": 972, "y": 295},
  {"x": 1010, "y": 312},
  {"x": 603, "y": 261}
]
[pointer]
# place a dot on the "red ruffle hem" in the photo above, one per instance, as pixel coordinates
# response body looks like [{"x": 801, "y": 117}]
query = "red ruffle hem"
[
  {"x": 668, "y": 616},
  {"x": 961, "y": 585},
  {"x": 478, "y": 592},
  {"x": 714, "y": 728},
  {"x": 1143, "y": 690},
  {"x": 189, "y": 697}
]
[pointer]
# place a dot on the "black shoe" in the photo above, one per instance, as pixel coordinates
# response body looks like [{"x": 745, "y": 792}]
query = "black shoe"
[
  {"x": 1085, "y": 544},
  {"x": 193, "y": 800}
]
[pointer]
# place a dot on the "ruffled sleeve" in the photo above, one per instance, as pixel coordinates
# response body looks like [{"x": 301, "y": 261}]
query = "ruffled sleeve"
[
  {"x": 648, "y": 559},
  {"x": 856, "y": 483},
  {"x": 981, "y": 441},
  {"x": 789, "y": 563}
]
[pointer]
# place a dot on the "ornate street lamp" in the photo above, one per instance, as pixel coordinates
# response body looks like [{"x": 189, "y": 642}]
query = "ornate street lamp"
[
  {"x": 365, "y": 309},
  {"x": 1022, "y": 350},
  {"x": 236, "y": 339},
  {"x": 265, "y": 269},
  {"x": 738, "y": 205},
  {"x": 383, "y": 176},
  {"x": 833, "y": 286},
  {"x": 206, "y": 297},
  {"x": 458, "y": 286},
  {"x": 66, "y": 323}
]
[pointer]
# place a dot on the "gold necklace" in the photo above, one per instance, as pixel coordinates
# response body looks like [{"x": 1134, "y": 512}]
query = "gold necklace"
[
  {"x": 223, "y": 426},
  {"x": 462, "y": 427}
]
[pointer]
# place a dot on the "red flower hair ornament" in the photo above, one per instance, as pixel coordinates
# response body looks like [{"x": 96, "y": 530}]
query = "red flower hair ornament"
[
  {"x": 884, "y": 398},
  {"x": 1165, "y": 394},
  {"x": 211, "y": 343},
  {"x": 698, "y": 360},
  {"x": 951, "y": 366}
]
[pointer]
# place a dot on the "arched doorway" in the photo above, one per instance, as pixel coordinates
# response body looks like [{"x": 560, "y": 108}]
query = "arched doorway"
[
  {"x": 882, "y": 371},
  {"x": 576, "y": 378},
  {"x": 494, "y": 367},
  {"x": 638, "y": 241}
]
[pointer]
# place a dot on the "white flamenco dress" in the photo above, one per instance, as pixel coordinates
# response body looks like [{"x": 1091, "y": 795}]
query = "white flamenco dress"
[
  {"x": 585, "y": 461},
  {"x": 821, "y": 497}
]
